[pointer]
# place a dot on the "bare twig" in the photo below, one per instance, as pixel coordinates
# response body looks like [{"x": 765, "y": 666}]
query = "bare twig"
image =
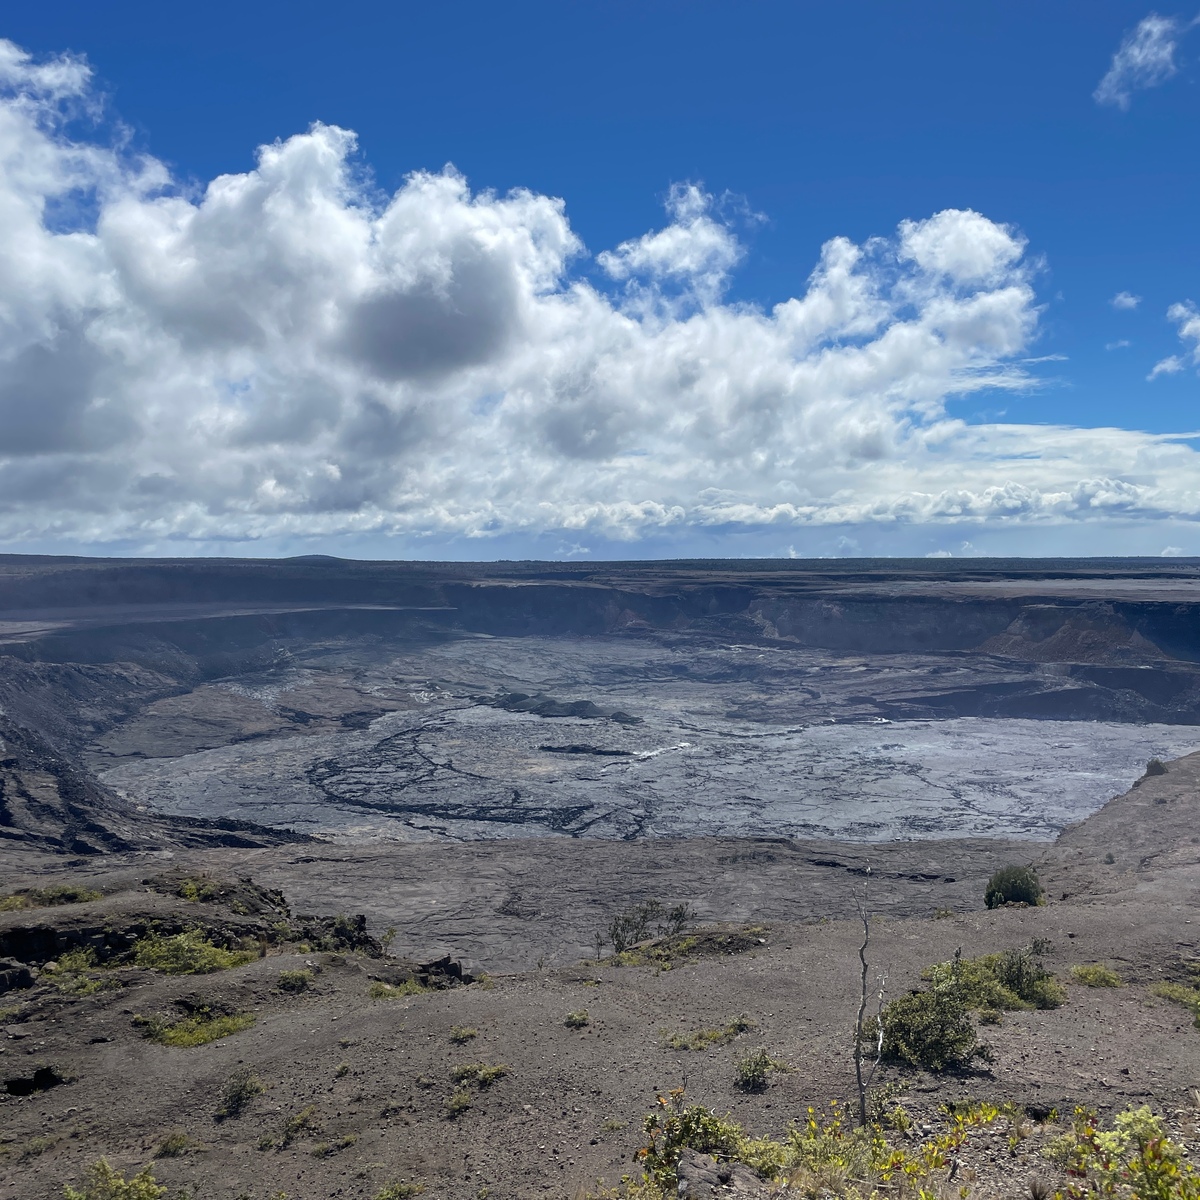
[{"x": 865, "y": 1083}]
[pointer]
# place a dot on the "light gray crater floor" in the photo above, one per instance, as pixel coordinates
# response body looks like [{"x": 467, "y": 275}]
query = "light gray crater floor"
[{"x": 803, "y": 763}]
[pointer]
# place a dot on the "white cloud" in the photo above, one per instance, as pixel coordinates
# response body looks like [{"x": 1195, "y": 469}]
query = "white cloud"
[
  {"x": 282, "y": 355},
  {"x": 1125, "y": 300},
  {"x": 1172, "y": 552},
  {"x": 1187, "y": 317},
  {"x": 1119, "y": 344},
  {"x": 1145, "y": 58}
]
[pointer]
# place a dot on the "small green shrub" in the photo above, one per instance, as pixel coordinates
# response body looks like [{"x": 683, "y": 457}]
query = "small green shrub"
[
  {"x": 400, "y": 1191},
  {"x": 328, "y": 1149},
  {"x": 480, "y": 1074},
  {"x": 105, "y": 1183},
  {"x": 343, "y": 1069},
  {"x": 294, "y": 981},
  {"x": 201, "y": 1027},
  {"x": 240, "y": 1088},
  {"x": 175, "y": 1144},
  {"x": 75, "y": 973},
  {"x": 1180, "y": 994},
  {"x": 702, "y": 1039},
  {"x": 577, "y": 1020},
  {"x": 1014, "y": 885},
  {"x": 394, "y": 991},
  {"x": 303, "y": 1122},
  {"x": 189, "y": 953},
  {"x": 752, "y": 1073},
  {"x": 458, "y": 1103},
  {"x": 1137, "y": 1158},
  {"x": 461, "y": 1034},
  {"x": 198, "y": 889},
  {"x": 931, "y": 1029},
  {"x": 1096, "y": 975},
  {"x": 1008, "y": 981},
  {"x": 36, "y": 1147}
]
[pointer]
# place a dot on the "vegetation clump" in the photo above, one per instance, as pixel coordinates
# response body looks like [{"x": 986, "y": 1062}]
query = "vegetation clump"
[
  {"x": 198, "y": 890},
  {"x": 1096, "y": 975},
  {"x": 394, "y": 991},
  {"x": 460, "y": 1035},
  {"x": 577, "y": 1020},
  {"x": 294, "y": 981},
  {"x": 1180, "y": 993},
  {"x": 189, "y": 953},
  {"x": 240, "y": 1088},
  {"x": 641, "y": 921},
  {"x": 1010, "y": 981},
  {"x": 103, "y": 1182},
  {"x": 328, "y": 1149},
  {"x": 302, "y": 1122},
  {"x": 458, "y": 1103},
  {"x": 1014, "y": 885},
  {"x": 480, "y": 1074},
  {"x": 752, "y": 1073},
  {"x": 200, "y": 1027},
  {"x": 1156, "y": 766},
  {"x": 399, "y": 1191},
  {"x": 821, "y": 1157},
  {"x": 47, "y": 897},
  {"x": 702, "y": 1039},
  {"x": 75, "y": 973},
  {"x": 1136, "y": 1158},
  {"x": 175, "y": 1144}
]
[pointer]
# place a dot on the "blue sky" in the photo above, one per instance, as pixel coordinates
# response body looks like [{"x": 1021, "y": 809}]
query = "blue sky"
[{"x": 795, "y": 123}]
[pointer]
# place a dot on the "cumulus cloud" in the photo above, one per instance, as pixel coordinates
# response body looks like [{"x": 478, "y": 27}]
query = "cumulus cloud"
[
  {"x": 1144, "y": 59},
  {"x": 1125, "y": 300},
  {"x": 283, "y": 354}
]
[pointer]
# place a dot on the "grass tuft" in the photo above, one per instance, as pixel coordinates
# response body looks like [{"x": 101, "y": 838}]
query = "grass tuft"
[
  {"x": 1096, "y": 975},
  {"x": 201, "y": 1027}
]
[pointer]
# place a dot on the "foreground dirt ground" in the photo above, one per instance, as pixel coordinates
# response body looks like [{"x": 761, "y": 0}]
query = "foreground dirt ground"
[{"x": 357, "y": 1087}]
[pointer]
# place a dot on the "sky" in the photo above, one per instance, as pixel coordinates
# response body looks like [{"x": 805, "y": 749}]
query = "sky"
[{"x": 600, "y": 279}]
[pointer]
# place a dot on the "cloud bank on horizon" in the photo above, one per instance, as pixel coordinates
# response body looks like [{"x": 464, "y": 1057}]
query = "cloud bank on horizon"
[{"x": 285, "y": 354}]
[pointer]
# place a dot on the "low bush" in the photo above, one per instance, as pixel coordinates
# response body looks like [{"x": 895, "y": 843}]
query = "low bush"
[
  {"x": 1156, "y": 766},
  {"x": 461, "y": 1034},
  {"x": 189, "y": 953},
  {"x": 240, "y": 1088},
  {"x": 105, "y": 1183},
  {"x": 399, "y": 1191},
  {"x": 930, "y": 1029},
  {"x": 1096, "y": 975},
  {"x": 201, "y": 1027},
  {"x": 175, "y": 1144},
  {"x": 294, "y": 981},
  {"x": 1136, "y": 1158},
  {"x": 76, "y": 973},
  {"x": 458, "y": 1103},
  {"x": 480, "y": 1074},
  {"x": 752, "y": 1073},
  {"x": 577, "y": 1020},
  {"x": 640, "y": 921},
  {"x": 1013, "y": 885}
]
